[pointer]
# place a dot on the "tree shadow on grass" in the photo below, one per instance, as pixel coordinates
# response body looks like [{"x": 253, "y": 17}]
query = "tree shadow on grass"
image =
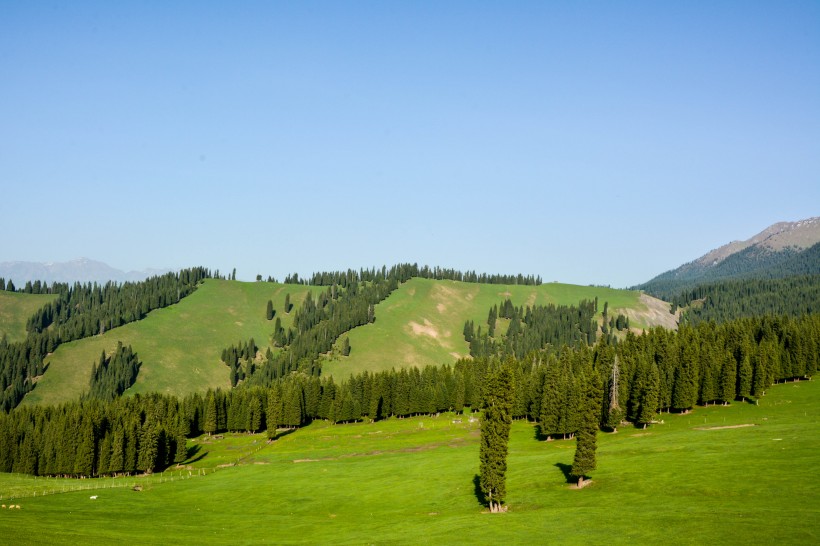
[
  {"x": 192, "y": 455},
  {"x": 283, "y": 432},
  {"x": 539, "y": 434},
  {"x": 479, "y": 495},
  {"x": 567, "y": 471}
]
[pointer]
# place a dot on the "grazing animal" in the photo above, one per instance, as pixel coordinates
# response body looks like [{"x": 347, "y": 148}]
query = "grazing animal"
[
  {"x": 93, "y": 497},
  {"x": 4, "y": 507}
]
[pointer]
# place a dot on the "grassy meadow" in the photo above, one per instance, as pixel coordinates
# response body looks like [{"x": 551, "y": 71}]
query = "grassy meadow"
[
  {"x": 180, "y": 345},
  {"x": 422, "y": 322},
  {"x": 738, "y": 474},
  {"x": 15, "y": 310}
]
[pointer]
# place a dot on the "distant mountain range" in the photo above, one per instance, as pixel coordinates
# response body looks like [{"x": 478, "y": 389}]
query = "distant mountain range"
[
  {"x": 781, "y": 250},
  {"x": 80, "y": 270}
]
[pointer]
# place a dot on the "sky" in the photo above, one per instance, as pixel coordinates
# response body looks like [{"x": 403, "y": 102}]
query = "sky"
[{"x": 585, "y": 142}]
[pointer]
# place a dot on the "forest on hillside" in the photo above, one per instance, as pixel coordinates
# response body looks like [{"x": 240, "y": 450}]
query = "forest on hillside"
[
  {"x": 748, "y": 264},
  {"x": 643, "y": 375},
  {"x": 82, "y": 310}
]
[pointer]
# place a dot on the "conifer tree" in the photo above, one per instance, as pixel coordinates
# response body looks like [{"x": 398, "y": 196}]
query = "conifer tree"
[
  {"x": 495, "y": 432},
  {"x": 210, "y": 422},
  {"x": 586, "y": 442},
  {"x": 269, "y": 311}
]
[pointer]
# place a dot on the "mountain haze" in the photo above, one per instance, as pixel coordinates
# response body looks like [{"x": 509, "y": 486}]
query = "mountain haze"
[
  {"x": 780, "y": 250},
  {"x": 81, "y": 270}
]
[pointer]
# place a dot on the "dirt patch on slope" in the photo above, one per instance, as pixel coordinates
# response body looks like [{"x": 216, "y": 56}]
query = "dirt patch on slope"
[
  {"x": 426, "y": 329},
  {"x": 652, "y": 312}
]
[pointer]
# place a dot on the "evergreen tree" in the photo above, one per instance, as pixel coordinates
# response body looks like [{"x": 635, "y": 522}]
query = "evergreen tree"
[
  {"x": 269, "y": 312},
  {"x": 210, "y": 423},
  {"x": 495, "y": 433},
  {"x": 586, "y": 442}
]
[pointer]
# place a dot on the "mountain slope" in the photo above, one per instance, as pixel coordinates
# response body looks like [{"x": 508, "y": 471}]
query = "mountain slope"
[
  {"x": 783, "y": 249},
  {"x": 420, "y": 323},
  {"x": 80, "y": 270},
  {"x": 179, "y": 346}
]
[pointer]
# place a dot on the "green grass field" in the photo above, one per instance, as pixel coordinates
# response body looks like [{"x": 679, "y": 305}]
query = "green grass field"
[
  {"x": 691, "y": 480},
  {"x": 179, "y": 346},
  {"x": 15, "y": 310},
  {"x": 422, "y": 322}
]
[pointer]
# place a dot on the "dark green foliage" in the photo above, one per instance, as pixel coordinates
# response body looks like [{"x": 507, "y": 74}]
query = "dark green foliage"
[
  {"x": 113, "y": 375},
  {"x": 407, "y": 271},
  {"x": 499, "y": 393},
  {"x": 240, "y": 359},
  {"x": 584, "y": 461},
  {"x": 269, "y": 312},
  {"x": 535, "y": 328},
  {"x": 728, "y": 300}
]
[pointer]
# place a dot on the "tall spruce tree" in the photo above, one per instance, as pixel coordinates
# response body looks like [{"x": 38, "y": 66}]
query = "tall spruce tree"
[
  {"x": 495, "y": 433},
  {"x": 586, "y": 441}
]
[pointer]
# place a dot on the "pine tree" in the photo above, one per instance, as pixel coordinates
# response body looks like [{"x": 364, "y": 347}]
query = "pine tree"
[
  {"x": 586, "y": 442},
  {"x": 495, "y": 432},
  {"x": 269, "y": 312},
  {"x": 210, "y": 424}
]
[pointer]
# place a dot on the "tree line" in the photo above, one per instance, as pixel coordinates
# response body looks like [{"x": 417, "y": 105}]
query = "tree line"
[
  {"x": 727, "y": 300},
  {"x": 559, "y": 388},
  {"x": 407, "y": 271},
  {"x": 83, "y": 310}
]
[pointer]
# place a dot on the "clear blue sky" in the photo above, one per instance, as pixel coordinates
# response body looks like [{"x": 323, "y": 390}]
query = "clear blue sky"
[{"x": 584, "y": 142}]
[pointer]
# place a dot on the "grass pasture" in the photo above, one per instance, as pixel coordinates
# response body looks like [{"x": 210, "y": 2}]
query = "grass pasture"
[
  {"x": 179, "y": 346},
  {"x": 15, "y": 310},
  {"x": 695, "y": 479},
  {"x": 422, "y": 322}
]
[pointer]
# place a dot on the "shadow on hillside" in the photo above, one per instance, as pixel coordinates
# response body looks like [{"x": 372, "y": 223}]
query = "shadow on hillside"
[
  {"x": 282, "y": 433},
  {"x": 566, "y": 469},
  {"x": 477, "y": 490},
  {"x": 192, "y": 455}
]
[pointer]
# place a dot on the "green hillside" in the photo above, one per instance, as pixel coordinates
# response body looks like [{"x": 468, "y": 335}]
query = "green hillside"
[
  {"x": 719, "y": 475},
  {"x": 179, "y": 346},
  {"x": 15, "y": 310},
  {"x": 422, "y": 322}
]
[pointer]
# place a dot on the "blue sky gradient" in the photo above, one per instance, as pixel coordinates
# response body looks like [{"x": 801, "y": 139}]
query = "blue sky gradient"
[{"x": 586, "y": 142}]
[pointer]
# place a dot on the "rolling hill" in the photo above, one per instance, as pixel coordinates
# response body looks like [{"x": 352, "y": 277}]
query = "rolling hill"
[
  {"x": 179, "y": 346},
  {"x": 781, "y": 250},
  {"x": 420, "y": 323}
]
